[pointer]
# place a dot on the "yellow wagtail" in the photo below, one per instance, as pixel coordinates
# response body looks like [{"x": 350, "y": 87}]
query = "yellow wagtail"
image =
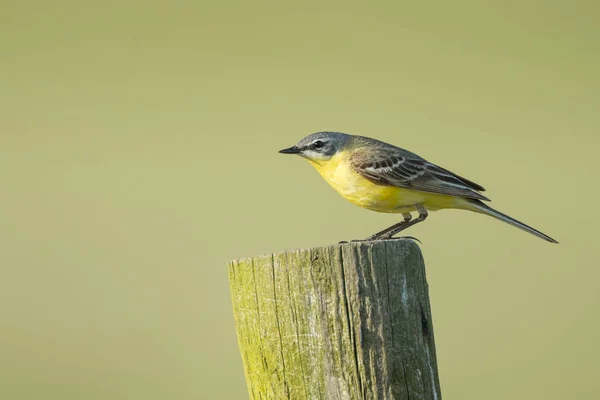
[{"x": 385, "y": 178}]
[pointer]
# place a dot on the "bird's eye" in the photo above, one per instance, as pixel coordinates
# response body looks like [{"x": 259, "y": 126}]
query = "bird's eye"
[{"x": 317, "y": 144}]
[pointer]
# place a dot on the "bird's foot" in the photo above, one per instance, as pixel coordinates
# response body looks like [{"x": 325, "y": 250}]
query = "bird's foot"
[
  {"x": 376, "y": 239},
  {"x": 386, "y": 237},
  {"x": 404, "y": 237}
]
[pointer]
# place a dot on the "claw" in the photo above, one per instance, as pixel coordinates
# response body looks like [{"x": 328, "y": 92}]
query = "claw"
[
  {"x": 391, "y": 238},
  {"x": 406, "y": 237},
  {"x": 382, "y": 238}
]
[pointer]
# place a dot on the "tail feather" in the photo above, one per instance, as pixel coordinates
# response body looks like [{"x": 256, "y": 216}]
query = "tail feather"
[{"x": 483, "y": 208}]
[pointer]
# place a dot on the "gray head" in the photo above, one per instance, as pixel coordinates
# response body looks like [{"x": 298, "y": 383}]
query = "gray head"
[{"x": 320, "y": 146}]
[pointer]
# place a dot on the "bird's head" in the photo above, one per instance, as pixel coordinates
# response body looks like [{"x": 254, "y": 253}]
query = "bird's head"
[{"x": 319, "y": 147}]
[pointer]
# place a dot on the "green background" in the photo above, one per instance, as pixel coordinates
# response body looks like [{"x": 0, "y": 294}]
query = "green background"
[{"x": 139, "y": 144}]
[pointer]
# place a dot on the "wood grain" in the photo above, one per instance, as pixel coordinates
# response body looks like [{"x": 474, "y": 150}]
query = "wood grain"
[{"x": 347, "y": 321}]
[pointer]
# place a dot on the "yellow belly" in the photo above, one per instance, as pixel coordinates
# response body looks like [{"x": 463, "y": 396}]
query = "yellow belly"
[{"x": 388, "y": 199}]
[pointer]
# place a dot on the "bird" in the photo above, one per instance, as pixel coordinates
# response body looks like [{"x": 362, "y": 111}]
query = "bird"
[{"x": 381, "y": 177}]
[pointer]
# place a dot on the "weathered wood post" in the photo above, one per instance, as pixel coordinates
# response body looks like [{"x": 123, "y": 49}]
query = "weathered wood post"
[{"x": 347, "y": 321}]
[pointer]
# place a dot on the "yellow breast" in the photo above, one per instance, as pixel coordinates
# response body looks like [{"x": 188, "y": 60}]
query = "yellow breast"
[{"x": 360, "y": 191}]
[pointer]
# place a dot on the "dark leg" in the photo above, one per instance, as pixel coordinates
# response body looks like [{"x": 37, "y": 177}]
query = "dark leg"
[
  {"x": 400, "y": 227},
  {"x": 376, "y": 236},
  {"x": 379, "y": 235}
]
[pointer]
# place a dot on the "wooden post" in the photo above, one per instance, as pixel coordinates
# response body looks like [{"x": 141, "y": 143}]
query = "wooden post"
[{"x": 348, "y": 321}]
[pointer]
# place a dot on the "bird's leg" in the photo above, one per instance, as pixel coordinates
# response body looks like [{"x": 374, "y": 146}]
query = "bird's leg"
[
  {"x": 400, "y": 227},
  {"x": 376, "y": 236}
]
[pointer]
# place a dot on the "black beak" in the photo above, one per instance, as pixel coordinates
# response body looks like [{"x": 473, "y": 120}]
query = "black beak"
[{"x": 290, "y": 150}]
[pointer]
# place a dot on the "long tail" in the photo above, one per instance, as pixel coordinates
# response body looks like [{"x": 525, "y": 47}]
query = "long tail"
[{"x": 483, "y": 208}]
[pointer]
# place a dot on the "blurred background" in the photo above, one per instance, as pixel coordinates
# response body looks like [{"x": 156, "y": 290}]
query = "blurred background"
[{"x": 138, "y": 154}]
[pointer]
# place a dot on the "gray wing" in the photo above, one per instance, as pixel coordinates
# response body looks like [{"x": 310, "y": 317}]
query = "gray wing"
[{"x": 397, "y": 167}]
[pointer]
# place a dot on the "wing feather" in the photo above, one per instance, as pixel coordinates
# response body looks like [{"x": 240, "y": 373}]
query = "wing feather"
[{"x": 392, "y": 166}]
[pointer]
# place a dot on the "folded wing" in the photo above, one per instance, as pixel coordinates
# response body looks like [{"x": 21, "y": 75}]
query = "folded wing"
[{"x": 397, "y": 167}]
